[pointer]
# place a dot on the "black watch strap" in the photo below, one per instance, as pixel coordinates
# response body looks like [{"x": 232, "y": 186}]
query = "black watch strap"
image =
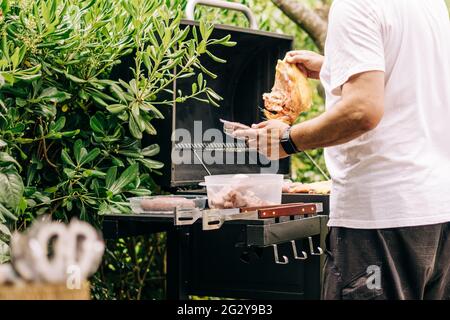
[{"x": 287, "y": 143}]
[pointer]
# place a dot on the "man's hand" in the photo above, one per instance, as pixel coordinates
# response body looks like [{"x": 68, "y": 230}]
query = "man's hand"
[
  {"x": 309, "y": 62},
  {"x": 265, "y": 137}
]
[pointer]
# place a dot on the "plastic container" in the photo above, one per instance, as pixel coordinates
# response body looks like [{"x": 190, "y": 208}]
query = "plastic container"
[
  {"x": 243, "y": 190},
  {"x": 166, "y": 204}
]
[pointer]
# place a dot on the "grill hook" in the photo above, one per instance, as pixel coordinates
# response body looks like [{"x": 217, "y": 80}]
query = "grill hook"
[
  {"x": 296, "y": 256},
  {"x": 277, "y": 258},
  {"x": 311, "y": 248}
]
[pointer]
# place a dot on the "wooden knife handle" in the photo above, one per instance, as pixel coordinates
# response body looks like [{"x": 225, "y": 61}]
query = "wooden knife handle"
[
  {"x": 288, "y": 211},
  {"x": 288, "y": 205}
]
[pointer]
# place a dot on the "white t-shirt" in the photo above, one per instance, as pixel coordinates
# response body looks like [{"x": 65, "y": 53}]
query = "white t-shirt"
[{"x": 397, "y": 175}]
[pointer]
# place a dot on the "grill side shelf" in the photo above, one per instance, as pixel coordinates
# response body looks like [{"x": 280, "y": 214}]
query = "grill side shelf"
[{"x": 277, "y": 233}]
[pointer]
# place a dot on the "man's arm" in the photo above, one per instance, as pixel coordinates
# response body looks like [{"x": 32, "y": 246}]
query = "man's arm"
[{"x": 360, "y": 111}]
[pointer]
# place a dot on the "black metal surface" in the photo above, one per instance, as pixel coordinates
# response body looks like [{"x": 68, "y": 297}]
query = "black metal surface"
[
  {"x": 248, "y": 73},
  {"x": 282, "y": 232},
  {"x": 217, "y": 269},
  {"x": 220, "y": 263}
]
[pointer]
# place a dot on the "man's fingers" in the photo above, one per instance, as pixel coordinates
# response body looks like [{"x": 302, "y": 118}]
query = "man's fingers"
[
  {"x": 298, "y": 57},
  {"x": 303, "y": 69},
  {"x": 248, "y": 134},
  {"x": 296, "y": 52},
  {"x": 260, "y": 125}
]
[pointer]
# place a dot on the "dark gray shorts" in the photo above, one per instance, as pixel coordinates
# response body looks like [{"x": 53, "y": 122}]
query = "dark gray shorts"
[{"x": 401, "y": 263}]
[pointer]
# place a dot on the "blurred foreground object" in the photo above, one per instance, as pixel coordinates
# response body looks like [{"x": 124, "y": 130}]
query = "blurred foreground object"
[{"x": 52, "y": 260}]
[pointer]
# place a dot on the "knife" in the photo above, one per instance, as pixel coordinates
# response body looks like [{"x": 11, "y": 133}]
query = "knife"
[{"x": 214, "y": 219}]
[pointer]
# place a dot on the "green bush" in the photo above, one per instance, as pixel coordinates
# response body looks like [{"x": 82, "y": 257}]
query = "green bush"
[{"x": 70, "y": 136}]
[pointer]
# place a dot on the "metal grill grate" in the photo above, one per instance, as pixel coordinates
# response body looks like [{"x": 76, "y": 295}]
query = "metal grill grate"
[{"x": 227, "y": 147}]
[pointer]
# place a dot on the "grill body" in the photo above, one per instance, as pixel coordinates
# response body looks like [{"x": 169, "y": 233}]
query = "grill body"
[
  {"x": 221, "y": 263},
  {"x": 236, "y": 261}
]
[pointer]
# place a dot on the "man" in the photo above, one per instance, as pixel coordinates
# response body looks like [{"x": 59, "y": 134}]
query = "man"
[{"x": 386, "y": 73}]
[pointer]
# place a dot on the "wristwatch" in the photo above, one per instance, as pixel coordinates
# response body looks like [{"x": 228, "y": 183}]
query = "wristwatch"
[{"x": 287, "y": 143}]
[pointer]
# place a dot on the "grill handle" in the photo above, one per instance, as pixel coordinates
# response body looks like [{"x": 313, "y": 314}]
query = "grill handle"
[{"x": 190, "y": 8}]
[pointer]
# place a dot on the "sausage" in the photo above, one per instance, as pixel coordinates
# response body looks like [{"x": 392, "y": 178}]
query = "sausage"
[{"x": 166, "y": 203}]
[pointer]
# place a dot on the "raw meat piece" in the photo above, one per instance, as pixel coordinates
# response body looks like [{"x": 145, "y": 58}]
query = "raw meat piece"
[
  {"x": 236, "y": 196},
  {"x": 166, "y": 203},
  {"x": 290, "y": 96},
  {"x": 323, "y": 187}
]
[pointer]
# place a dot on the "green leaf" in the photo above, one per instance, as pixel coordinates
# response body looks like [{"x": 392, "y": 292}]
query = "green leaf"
[
  {"x": 151, "y": 150},
  {"x": 70, "y": 173},
  {"x": 149, "y": 128},
  {"x": 58, "y": 125},
  {"x": 141, "y": 192},
  {"x": 9, "y": 78},
  {"x": 100, "y": 101},
  {"x": 5, "y": 212},
  {"x": 116, "y": 108},
  {"x": 91, "y": 156},
  {"x": 12, "y": 189},
  {"x": 66, "y": 158},
  {"x": 70, "y": 134},
  {"x": 5, "y": 9},
  {"x": 149, "y": 107},
  {"x": 4, "y": 230},
  {"x": 151, "y": 164},
  {"x": 15, "y": 58},
  {"x": 134, "y": 128},
  {"x": 53, "y": 95},
  {"x": 118, "y": 92},
  {"x": 209, "y": 73},
  {"x": 97, "y": 123},
  {"x": 215, "y": 58},
  {"x": 200, "y": 80},
  {"x": 201, "y": 49},
  {"x": 111, "y": 175},
  {"x": 117, "y": 162},
  {"x": 128, "y": 176},
  {"x": 5, "y": 158},
  {"x": 93, "y": 173},
  {"x": 78, "y": 145},
  {"x": 74, "y": 78}
]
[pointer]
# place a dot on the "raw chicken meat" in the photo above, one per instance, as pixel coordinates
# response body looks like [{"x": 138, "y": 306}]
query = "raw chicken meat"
[
  {"x": 323, "y": 187},
  {"x": 236, "y": 196},
  {"x": 290, "y": 96}
]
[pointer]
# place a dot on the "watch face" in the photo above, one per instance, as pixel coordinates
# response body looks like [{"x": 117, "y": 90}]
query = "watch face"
[
  {"x": 286, "y": 143},
  {"x": 286, "y": 134}
]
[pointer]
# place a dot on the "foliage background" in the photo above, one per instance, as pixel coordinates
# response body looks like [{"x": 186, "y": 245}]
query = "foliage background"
[{"x": 70, "y": 135}]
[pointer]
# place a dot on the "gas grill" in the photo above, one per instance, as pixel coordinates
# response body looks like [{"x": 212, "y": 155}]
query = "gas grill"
[{"x": 210, "y": 253}]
